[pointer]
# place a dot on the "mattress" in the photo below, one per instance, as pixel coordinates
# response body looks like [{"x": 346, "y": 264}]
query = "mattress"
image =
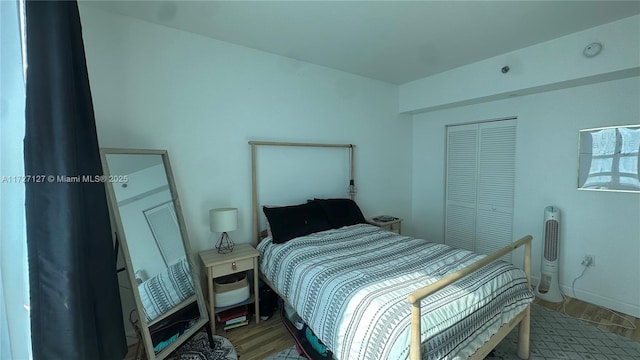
[{"x": 350, "y": 285}]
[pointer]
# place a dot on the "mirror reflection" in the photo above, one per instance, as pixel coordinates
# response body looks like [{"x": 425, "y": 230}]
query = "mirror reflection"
[
  {"x": 150, "y": 229},
  {"x": 153, "y": 235},
  {"x": 147, "y": 213}
]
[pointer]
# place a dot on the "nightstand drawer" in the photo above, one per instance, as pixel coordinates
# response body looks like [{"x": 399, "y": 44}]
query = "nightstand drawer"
[{"x": 232, "y": 267}]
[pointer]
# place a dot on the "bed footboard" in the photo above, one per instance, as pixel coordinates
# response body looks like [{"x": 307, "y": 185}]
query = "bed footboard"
[{"x": 523, "y": 319}]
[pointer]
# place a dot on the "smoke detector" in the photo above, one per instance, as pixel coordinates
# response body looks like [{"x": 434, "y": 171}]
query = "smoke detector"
[{"x": 592, "y": 49}]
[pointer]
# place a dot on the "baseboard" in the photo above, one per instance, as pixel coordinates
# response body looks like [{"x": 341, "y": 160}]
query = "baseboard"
[
  {"x": 604, "y": 301},
  {"x": 597, "y": 299}
]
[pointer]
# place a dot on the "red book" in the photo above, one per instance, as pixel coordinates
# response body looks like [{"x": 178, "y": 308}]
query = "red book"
[{"x": 233, "y": 313}]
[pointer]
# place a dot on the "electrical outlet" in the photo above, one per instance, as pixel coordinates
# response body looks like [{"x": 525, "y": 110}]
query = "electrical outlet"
[{"x": 589, "y": 260}]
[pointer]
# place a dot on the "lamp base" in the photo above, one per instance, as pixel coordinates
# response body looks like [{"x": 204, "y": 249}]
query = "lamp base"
[{"x": 225, "y": 244}]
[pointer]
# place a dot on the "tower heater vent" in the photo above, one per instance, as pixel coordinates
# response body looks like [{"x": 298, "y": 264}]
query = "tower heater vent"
[
  {"x": 551, "y": 240},
  {"x": 548, "y": 289}
]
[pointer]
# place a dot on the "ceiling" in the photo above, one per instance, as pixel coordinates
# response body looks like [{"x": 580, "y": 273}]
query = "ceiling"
[{"x": 392, "y": 41}]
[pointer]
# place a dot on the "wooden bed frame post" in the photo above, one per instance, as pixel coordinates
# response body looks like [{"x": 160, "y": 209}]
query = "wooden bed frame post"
[
  {"x": 415, "y": 332},
  {"x": 525, "y": 324},
  {"x": 523, "y": 318},
  {"x": 254, "y": 196}
]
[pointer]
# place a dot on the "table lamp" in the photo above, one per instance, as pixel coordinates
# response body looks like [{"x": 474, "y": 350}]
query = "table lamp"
[{"x": 223, "y": 220}]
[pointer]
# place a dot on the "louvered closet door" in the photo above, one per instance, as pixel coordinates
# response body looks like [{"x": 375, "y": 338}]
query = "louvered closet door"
[
  {"x": 480, "y": 186},
  {"x": 462, "y": 143},
  {"x": 496, "y": 178}
]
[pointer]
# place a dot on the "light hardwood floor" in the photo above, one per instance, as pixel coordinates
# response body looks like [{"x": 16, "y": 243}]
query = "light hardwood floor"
[
  {"x": 254, "y": 341},
  {"x": 601, "y": 316},
  {"x": 258, "y": 341}
]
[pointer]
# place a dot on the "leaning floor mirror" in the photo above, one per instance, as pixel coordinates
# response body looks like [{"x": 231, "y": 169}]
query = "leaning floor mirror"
[{"x": 150, "y": 228}]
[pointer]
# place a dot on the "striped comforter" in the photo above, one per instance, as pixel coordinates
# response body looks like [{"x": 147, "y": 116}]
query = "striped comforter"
[
  {"x": 164, "y": 291},
  {"x": 350, "y": 286}
]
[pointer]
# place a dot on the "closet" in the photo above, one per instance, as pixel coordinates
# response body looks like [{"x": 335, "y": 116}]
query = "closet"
[{"x": 480, "y": 176}]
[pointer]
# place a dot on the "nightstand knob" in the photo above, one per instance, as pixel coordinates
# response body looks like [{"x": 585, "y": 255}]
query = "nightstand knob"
[{"x": 234, "y": 266}]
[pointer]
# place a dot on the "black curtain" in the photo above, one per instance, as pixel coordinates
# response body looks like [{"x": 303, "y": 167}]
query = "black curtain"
[{"x": 75, "y": 303}]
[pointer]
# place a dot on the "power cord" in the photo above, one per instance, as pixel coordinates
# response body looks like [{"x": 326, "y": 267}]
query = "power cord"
[
  {"x": 573, "y": 284},
  {"x": 586, "y": 265}
]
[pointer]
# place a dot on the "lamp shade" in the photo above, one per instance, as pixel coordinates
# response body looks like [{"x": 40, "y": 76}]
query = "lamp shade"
[{"x": 223, "y": 219}]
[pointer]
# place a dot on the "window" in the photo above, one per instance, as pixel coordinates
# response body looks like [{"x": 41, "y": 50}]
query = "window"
[
  {"x": 15, "y": 330},
  {"x": 609, "y": 158}
]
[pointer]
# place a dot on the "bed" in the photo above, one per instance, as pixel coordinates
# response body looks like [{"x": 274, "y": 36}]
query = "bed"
[{"x": 368, "y": 293}]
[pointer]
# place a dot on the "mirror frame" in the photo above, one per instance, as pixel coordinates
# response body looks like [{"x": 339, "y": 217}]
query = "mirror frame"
[{"x": 116, "y": 219}]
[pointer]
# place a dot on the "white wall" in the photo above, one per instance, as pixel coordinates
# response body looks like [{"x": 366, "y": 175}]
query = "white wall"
[
  {"x": 203, "y": 100},
  {"x": 601, "y": 223}
]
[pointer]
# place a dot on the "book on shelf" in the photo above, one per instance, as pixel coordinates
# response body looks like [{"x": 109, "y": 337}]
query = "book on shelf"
[
  {"x": 236, "y": 325},
  {"x": 235, "y": 320},
  {"x": 233, "y": 313}
]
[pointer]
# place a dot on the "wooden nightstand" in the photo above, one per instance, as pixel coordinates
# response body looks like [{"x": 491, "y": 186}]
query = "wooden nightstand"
[
  {"x": 394, "y": 225},
  {"x": 243, "y": 258}
]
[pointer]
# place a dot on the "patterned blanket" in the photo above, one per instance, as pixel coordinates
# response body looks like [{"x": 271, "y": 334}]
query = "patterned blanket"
[
  {"x": 350, "y": 286},
  {"x": 164, "y": 291}
]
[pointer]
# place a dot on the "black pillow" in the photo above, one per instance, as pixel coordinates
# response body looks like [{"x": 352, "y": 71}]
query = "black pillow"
[
  {"x": 341, "y": 212},
  {"x": 288, "y": 222}
]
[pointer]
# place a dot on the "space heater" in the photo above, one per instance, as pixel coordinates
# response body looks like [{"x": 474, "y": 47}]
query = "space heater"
[{"x": 548, "y": 289}]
